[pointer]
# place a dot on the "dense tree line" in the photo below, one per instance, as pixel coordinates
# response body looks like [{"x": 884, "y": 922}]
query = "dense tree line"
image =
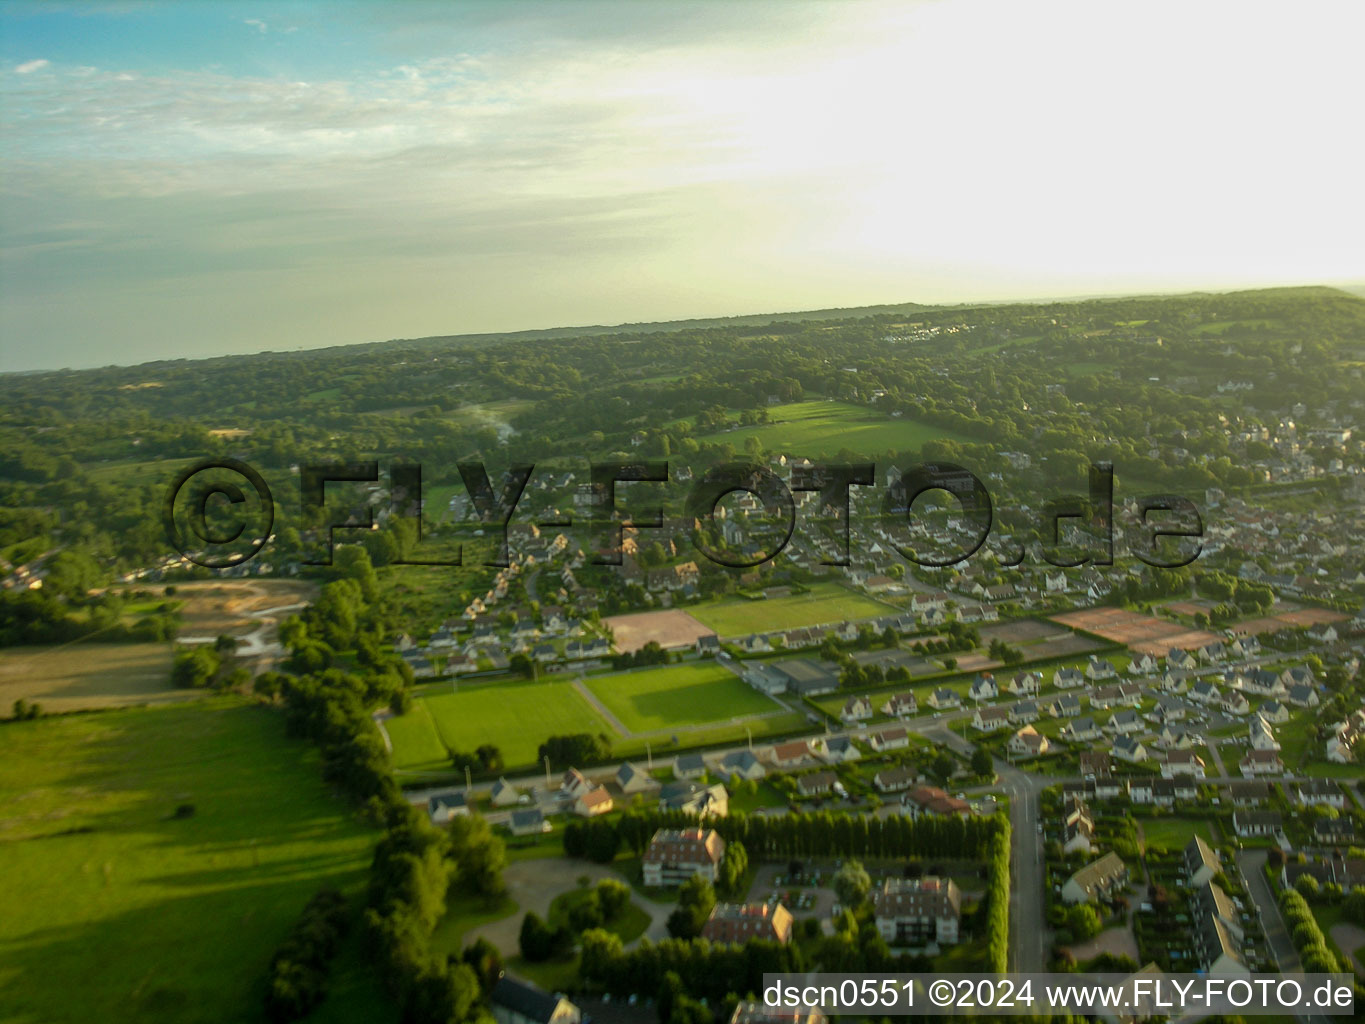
[
  {"x": 297, "y": 981},
  {"x": 824, "y": 834}
]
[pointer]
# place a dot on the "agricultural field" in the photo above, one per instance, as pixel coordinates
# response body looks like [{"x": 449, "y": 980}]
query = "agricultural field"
[
  {"x": 826, "y": 428},
  {"x": 114, "y": 909},
  {"x": 516, "y": 717},
  {"x": 662, "y": 698},
  {"x": 79, "y": 676},
  {"x": 824, "y": 603}
]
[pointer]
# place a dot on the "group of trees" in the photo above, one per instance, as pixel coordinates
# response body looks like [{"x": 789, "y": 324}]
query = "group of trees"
[
  {"x": 825, "y": 834},
  {"x": 650, "y": 654},
  {"x": 577, "y": 749},
  {"x": 1307, "y": 936},
  {"x": 298, "y": 969},
  {"x": 696, "y": 900},
  {"x": 209, "y": 665}
]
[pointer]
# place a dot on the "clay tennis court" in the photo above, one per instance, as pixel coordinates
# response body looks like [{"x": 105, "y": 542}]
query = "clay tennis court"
[
  {"x": 671, "y": 629},
  {"x": 1296, "y": 618},
  {"x": 1143, "y": 633}
]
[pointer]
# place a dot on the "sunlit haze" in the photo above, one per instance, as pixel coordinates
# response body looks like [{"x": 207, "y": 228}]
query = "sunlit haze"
[{"x": 189, "y": 180}]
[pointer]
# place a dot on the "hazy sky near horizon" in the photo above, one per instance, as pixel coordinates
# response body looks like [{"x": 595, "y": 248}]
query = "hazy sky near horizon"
[{"x": 181, "y": 180}]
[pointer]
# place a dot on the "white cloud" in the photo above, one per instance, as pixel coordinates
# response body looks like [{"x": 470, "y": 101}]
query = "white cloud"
[
  {"x": 257, "y": 24},
  {"x": 28, "y": 67}
]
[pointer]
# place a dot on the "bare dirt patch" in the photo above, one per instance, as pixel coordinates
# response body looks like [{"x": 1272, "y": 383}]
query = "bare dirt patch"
[{"x": 672, "y": 629}]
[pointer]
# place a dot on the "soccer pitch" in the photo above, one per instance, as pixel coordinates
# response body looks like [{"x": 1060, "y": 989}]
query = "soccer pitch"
[
  {"x": 825, "y": 603},
  {"x": 516, "y": 717},
  {"x": 657, "y": 699}
]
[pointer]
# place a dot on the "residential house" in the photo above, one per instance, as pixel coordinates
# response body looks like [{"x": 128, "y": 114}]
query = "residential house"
[
  {"x": 1066, "y": 705},
  {"x": 1248, "y": 793},
  {"x": 983, "y": 688},
  {"x": 1261, "y": 762},
  {"x": 503, "y": 794},
  {"x": 593, "y": 803},
  {"x": 1068, "y": 678},
  {"x": 445, "y": 806},
  {"x": 1321, "y": 792},
  {"x": 791, "y": 755},
  {"x": 944, "y": 699},
  {"x": 689, "y": 766},
  {"x": 693, "y": 798},
  {"x": 902, "y": 705},
  {"x": 891, "y": 780},
  {"x": 1182, "y": 762},
  {"x": 1124, "y": 723},
  {"x": 1130, "y": 749},
  {"x": 742, "y": 764},
  {"x": 1098, "y": 880},
  {"x": 816, "y": 783},
  {"x": 527, "y": 821},
  {"x": 841, "y": 748},
  {"x": 1199, "y": 863},
  {"x": 1250, "y": 824},
  {"x": 1023, "y": 712},
  {"x": 1081, "y": 730},
  {"x": 856, "y": 709},
  {"x": 516, "y": 1002},
  {"x": 889, "y": 739},
  {"x": 927, "y": 800},
  {"x": 989, "y": 719},
  {"x": 1028, "y": 742},
  {"x": 634, "y": 779}
]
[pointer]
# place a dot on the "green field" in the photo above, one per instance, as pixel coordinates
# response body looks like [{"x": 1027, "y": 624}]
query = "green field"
[
  {"x": 113, "y": 910},
  {"x": 416, "y": 741},
  {"x": 1174, "y": 834},
  {"x": 517, "y": 717},
  {"x": 826, "y": 428},
  {"x": 824, "y": 603},
  {"x": 655, "y": 699}
]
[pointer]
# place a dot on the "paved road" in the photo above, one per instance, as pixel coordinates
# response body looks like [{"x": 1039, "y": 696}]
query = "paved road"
[{"x": 1029, "y": 938}]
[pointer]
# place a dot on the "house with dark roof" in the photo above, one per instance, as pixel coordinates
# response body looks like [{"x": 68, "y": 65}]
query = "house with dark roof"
[
  {"x": 516, "y": 1002},
  {"x": 1096, "y": 881},
  {"x": 1199, "y": 863}
]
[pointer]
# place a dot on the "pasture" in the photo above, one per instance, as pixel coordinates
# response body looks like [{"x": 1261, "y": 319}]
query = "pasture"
[
  {"x": 826, "y": 428},
  {"x": 77, "y": 676},
  {"x": 655, "y": 699},
  {"x": 113, "y": 909},
  {"x": 825, "y": 603}
]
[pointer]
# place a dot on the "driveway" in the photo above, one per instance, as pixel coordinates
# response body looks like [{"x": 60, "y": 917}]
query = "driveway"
[
  {"x": 1277, "y": 936},
  {"x": 534, "y": 884}
]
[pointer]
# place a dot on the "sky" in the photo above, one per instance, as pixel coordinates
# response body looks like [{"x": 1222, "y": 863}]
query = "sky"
[{"x": 193, "y": 179}]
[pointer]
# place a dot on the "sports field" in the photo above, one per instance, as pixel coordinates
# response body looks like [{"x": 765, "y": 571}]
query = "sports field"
[
  {"x": 826, "y": 428},
  {"x": 825, "y": 603},
  {"x": 112, "y": 909},
  {"x": 655, "y": 699},
  {"x": 516, "y": 717}
]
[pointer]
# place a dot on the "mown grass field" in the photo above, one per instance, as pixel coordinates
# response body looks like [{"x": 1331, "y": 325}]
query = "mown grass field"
[
  {"x": 1174, "y": 834},
  {"x": 515, "y": 716},
  {"x": 673, "y": 695},
  {"x": 825, "y": 602},
  {"x": 113, "y": 910},
  {"x": 825, "y": 428}
]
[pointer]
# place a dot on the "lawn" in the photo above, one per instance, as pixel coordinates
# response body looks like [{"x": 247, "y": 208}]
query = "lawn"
[
  {"x": 516, "y": 717},
  {"x": 114, "y": 910},
  {"x": 824, "y": 603},
  {"x": 826, "y": 428},
  {"x": 666, "y": 697},
  {"x": 1173, "y": 834}
]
